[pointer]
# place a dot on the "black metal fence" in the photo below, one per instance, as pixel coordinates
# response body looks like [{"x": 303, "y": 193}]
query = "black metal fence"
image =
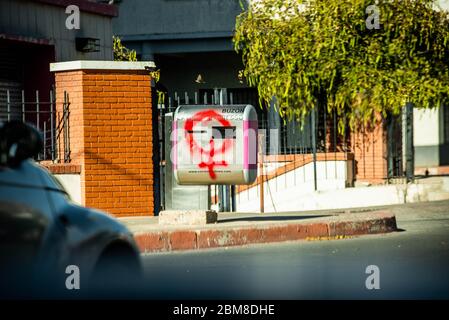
[
  {"x": 400, "y": 149},
  {"x": 281, "y": 137},
  {"x": 317, "y": 134},
  {"x": 18, "y": 105}
]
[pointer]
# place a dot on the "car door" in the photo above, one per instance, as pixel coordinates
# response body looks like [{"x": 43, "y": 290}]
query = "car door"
[
  {"x": 25, "y": 221},
  {"x": 83, "y": 235}
]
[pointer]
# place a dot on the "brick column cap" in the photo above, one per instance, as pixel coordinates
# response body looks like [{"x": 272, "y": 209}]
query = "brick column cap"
[{"x": 100, "y": 65}]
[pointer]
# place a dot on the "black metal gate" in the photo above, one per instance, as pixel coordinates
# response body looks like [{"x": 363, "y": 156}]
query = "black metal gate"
[
  {"x": 400, "y": 150},
  {"x": 42, "y": 114}
]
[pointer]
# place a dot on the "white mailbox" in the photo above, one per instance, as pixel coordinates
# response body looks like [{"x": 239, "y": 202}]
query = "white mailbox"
[{"x": 214, "y": 144}]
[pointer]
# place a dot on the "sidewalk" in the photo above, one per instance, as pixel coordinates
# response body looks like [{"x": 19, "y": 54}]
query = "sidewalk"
[{"x": 237, "y": 229}]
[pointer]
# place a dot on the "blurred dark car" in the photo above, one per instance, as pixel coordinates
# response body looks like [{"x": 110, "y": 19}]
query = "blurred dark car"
[{"x": 42, "y": 231}]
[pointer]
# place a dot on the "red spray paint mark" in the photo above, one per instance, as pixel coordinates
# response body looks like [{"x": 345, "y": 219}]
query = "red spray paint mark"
[{"x": 206, "y": 116}]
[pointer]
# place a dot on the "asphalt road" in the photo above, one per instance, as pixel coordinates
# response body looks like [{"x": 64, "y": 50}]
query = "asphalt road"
[{"x": 413, "y": 263}]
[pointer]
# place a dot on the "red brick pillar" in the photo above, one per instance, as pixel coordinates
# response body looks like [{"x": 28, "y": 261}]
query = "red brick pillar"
[
  {"x": 110, "y": 132},
  {"x": 370, "y": 153}
]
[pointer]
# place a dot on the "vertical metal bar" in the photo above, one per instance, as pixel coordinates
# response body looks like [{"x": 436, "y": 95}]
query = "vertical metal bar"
[
  {"x": 272, "y": 146},
  {"x": 260, "y": 151},
  {"x": 64, "y": 124},
  {"x": 186, "y": 97},
  {"x": 226, "y": 191},
  {"x": 231, "y": 98},
  {"x": 295, "y": 128},
  {"x": 287, "y": 137},
  {"x": 223, "y": 96},
  {"x": 335, "y": 142},
  {"x": 8, "y": 106},
  {"x": 314, "y": 148},
  {"x": 325, "y": 140},
  {"x": 224, "y": 198},
  {"x": 162, "y": 142},
  {"x": 57, "y": 136},
  {"x": 196, "y": 98},
  {"x": 233, "y": 200},
  {"x": 45, "y": 140},
  {"x": 285, "y": 128},
  {"x": 169, "y": 182},
  {"x": 52, "y": 129},
  {"x": 239, "y": 195},
  {"x": 410, "y": 161},
  {"x": 23, "y": 105},
  {"x": 216, "y": 197},
  {"x": 176, "y": 101},
  {"x": 66, "y": 128},
  {"x": 37, "y": 109},
  {"x": 402, "y": 154},
  {"x": 61, "y": 149},
  {"x": 216, "y": 96}
]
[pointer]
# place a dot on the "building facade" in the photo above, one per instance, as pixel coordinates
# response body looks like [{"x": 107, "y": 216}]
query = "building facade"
[
  {"x": 33, "y": 34},
  {"x": 185, "y": 39}
]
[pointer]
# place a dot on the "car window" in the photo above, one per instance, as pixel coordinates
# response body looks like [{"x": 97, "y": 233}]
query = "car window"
[
  {"x": 56, "y": 192},
  {"x": 26, "y": 174},
  {"x": 57, "y": 183},
  {"x": 21, "y": 187},
  {"x": 50, "y": 181},
  {"x": 24, "y": 201}
]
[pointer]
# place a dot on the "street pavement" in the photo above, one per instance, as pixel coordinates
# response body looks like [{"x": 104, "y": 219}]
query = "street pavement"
[{"x": 413, "y": 263}]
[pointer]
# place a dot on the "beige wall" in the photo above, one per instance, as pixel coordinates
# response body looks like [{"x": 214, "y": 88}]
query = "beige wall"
[
  {"x": 427, "y": 127},
  {"x": 42, "y": 21}
]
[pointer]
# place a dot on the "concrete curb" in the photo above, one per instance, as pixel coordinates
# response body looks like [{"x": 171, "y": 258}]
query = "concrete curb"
[{"x": 222, "y": 236}]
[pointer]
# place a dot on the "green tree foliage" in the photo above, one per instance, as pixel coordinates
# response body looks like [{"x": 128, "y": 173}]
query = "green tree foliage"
[
  {"x": 121, "y": 53},
  {"x": 321, "y": 52}
]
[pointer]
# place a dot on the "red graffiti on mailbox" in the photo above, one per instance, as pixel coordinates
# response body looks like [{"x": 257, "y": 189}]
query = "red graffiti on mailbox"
[{"x": 205, "y": 116}]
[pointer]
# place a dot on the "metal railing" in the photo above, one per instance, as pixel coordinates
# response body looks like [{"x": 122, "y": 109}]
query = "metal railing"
[
  {"x": 318, "y": 133},
  {"x": 290, "y": 141},
  {"x": 32, "y": 109},
  {"x": 284, "y": 141}
]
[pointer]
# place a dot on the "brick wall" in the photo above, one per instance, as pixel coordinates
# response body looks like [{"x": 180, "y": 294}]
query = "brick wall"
[
  {"x": 370, "y": 153},
  {"x": 369, "y": 147},
  {"x": 111, "y": 137}
]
